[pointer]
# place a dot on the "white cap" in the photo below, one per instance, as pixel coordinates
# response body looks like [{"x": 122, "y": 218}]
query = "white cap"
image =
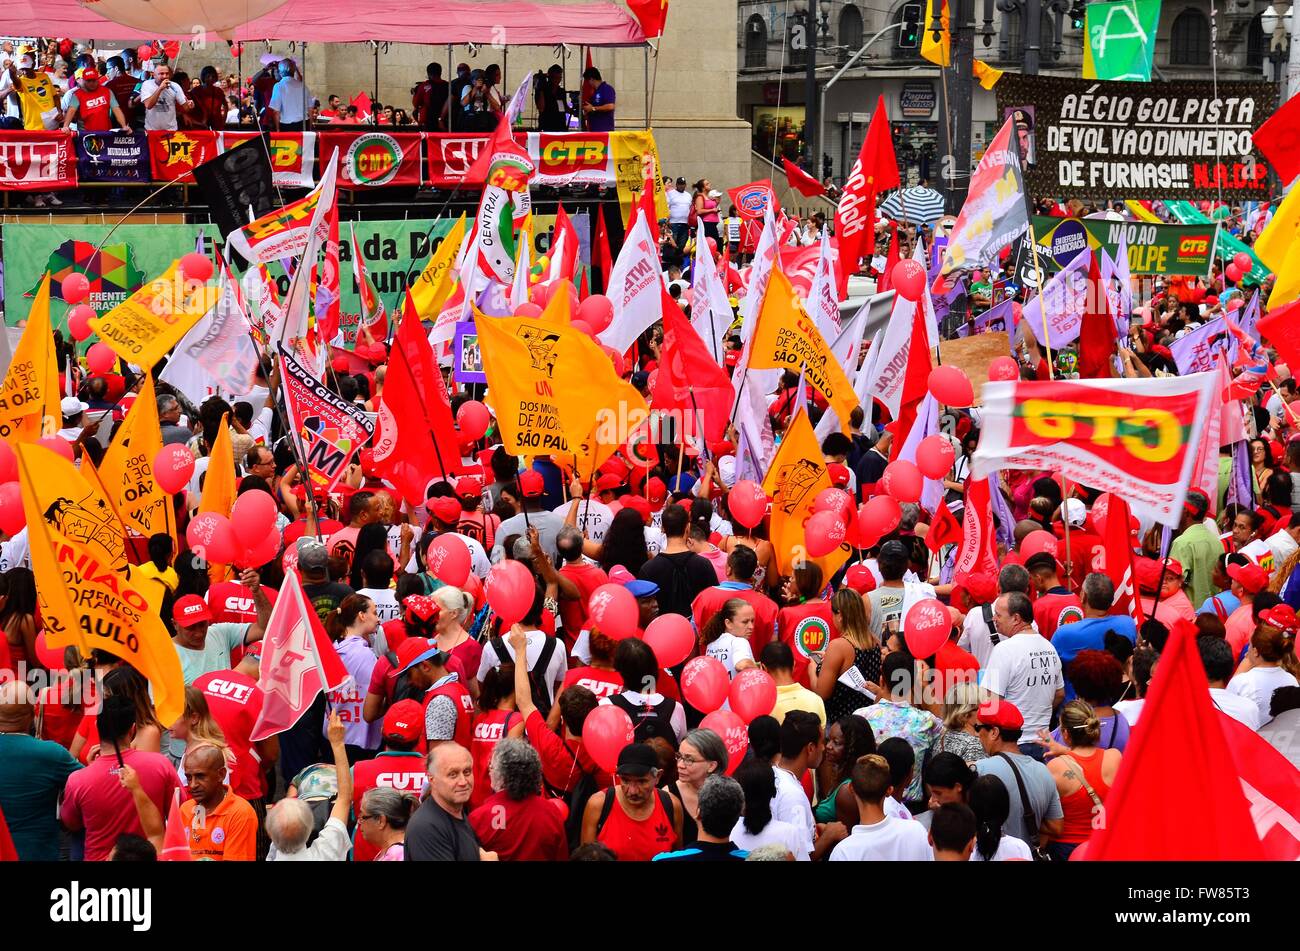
[
  {"x": 71, "y": 406},
  {"x": 727, "y": 470},
  {"x": 1074, "y": 512}
]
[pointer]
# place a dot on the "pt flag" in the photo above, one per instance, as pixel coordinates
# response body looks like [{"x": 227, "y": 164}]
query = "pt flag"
[
  {"x": 797, "y": 475},
  {"x": 30, "y": 394},
  {"x": 1134, "y": 438}
]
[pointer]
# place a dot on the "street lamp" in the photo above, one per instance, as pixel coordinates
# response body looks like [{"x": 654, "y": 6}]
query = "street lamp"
[{"x": 1273, "y": 24}]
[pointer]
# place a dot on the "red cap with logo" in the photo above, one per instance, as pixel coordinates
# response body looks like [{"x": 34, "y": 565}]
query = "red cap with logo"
[
  {"x": 656, "y": 492},
  {"x": 190, "y": 610},
  {"x": 447, "y": 509},
  {"x": 404, "y": 721},
  {"x": 839, "y": 474},
  {"x": 860, "y": 579}
]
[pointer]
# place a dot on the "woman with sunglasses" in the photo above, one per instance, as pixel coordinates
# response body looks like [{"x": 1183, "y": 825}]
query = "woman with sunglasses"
[
  {"x": 701, "y": 754},
  {"x": 382, "y": 821}
]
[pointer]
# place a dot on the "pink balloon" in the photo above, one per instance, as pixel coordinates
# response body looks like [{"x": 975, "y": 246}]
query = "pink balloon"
[
  {"x": 60, "y": 445},
  {"x": 473, "y": 419},
  {"x": 1243, "y": 261},
  {"x": 704, "y": 684},
  {"x": 12, "y": 518},
  {"x": 671, "y": 637},
  {"x": 598, "y": 312},
  {"x": 449, "y": 561},
  {"x": 1004, "y": 368},
  {"x": 100, "y": 358},
  {"x": 879, "y": 516},
  {"x": 196, "y": 266},
  {"x": 75, "y": 287},
  {"x": 926, "y": 627},
  {"x": 613, "y": 611},
  {"x": 252, "y": 517},
  {"x": 528, "y": 309},
  {"x": 823, "y": 533},
  {"x": 752, "y": 694},
  {"x": 908, "y": 279},
  {"x": 747, "y": 503},
  {"x": 733, "y": 731},
  {"x": 834, "y": 500},
  {"x": 1235, "y": 304},
  {"x": 951, "y": 386},
  {"x": 605, "y": 732},
  {"x": 79, "y": 321},
  {"x": 172, "y": 467},
  {"x": 935, "y": 456},
  {"x": 1036, "y": 542},
  {"x": 1233, "y": 272},
  {"x": 50, "y": 657},
  {"x": 8, "y": 463},
  {"x": 262, "y": 553},
  {"x": 211, "y": 536},
  {"x": 510, "y": 590},
  {"x": 902, "y": 480},
  {"x": 583, "y": 327}
]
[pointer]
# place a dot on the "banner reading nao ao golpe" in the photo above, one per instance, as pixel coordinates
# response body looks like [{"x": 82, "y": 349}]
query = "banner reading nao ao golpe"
[
  {"x": 1082, "y": 138},
  {"x": 1135, "y": 438},
  {"x": 329, "y": 428}
]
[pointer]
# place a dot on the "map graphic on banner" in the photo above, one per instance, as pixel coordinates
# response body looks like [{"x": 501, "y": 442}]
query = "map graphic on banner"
[
  {"x": 329, "y": 428},
  {"x": 112, "y": 272}
]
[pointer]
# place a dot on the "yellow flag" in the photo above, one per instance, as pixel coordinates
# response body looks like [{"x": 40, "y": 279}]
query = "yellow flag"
[
  {"x": 554, "y": 391},
  {"x": 986, "y": 74},
  {"x": 937, "y": 51},
  {"x": 78, "y": 509},
  {"x": 85, "y": 601},
  {"x": 797, "y": 474},
  {"x": 219, "y": 480},
  {"x": 145, "y": 326},
  {"x": 1278, "y": 247},
  {"x": 1140, "y": 211},
  {"x": 127, "y": 469},
  {"x": 787, "y": 338},
  {"x": 432, "y": 288},
  {"x": 30, "y": 395}
]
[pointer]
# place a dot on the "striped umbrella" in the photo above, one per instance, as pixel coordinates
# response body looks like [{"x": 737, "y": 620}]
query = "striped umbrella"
[{"x": 924, "y": 205}]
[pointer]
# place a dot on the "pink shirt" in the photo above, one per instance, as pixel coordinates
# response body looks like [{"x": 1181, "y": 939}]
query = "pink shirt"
[
  {"x": 1240, "y": 625},
  {"x": 96, "y": 800}
]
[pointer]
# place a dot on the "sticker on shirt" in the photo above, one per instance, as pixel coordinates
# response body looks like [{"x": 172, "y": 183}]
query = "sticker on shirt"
[
  {"x": 1069, "y": 615},
  {"x": 218, "y": 835},
  {"x": 811, "y": 635}
]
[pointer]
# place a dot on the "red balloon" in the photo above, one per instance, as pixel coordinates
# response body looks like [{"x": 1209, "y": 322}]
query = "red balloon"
[
  {"x": 615, "y": 358},
  {"x": 474, "y": 588},
  {"x": 834, "y": 500},
  {"x": 598, "y": 311},
  {"x": 449, "y": 560},
  {"x": 252, "y": 517},
  {"x": 752, "y": 694},
  {"x": 196, "y": 266},
  {"x": 704, "y": 684},
  {"x": 733, "y": 731},
  {"x": 582, "y": 326},
  {"x": 747, "y": 503},
  {"x": 926, "y": 627},
  {"x": 50, "y": 657},
  {"x": 172, "y": 467},
  {"x": 951, "y": 386},
  {"x": 1243, "y": 261},
  {"x": 1235, "y": 304},
  {"x": 605, "y": 732},
  {"x": 1036, "y": 542},
  {"x": 262, "y": 553},
  {"x": 211, "y": 536},
  {"x": 528, "y": 309},
  {"x": 823, "y": 533},
  {"x": 510, "y": 590},
  {"x": 614, "y": 612},
  {"x": 79, "y": 321},
  {"x": 1233, "y": 272},
  {"x": 935, "y": 456},
  {"x": 671, "y": 637},
  {"x": 880, "y": 515},
  {"x": 1004, "y": 368},
  {"x": 8, "y": 463},
  {"x": 473, "y": 419},
  {"x": 908, "y": 279},
  {"x": 902, "y": 480},
  {"x": 75, "y": 287},
  {"x": 12, "y": 518},
  {"x": 100, "y": 358},
  {"x": 60, "y": 445}
]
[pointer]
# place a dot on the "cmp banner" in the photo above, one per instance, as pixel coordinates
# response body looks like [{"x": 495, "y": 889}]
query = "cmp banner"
[{"x": 1082, "y": 138}]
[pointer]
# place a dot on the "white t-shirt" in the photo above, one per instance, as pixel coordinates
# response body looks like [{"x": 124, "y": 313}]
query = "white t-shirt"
[
  {"x": 1258, "y": 684},
  {"x": 775, "y": 832},
  {"x": 594, "y": 520},
  {"x": 385, "y": 599},
  {"x": 890, "y": 840},
  {"x": 162, "y": 115},
  {"x": 679, "y": 209},
  {"x": 1283, "y": 547},
  {"x": 1132, "y": 709},
  {"x": 731, "y": 650},
  {"x": 1009, "y": 848},
  {"x": 1025, "y": 670},
  {"x": 331, "y": 845},
  {"x": 1239, "y": 708},
  {"x": 555, "y": 670},
  {"x": 790, "y": 804}
]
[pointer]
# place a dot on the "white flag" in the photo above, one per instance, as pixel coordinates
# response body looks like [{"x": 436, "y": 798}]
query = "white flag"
[
  {"x": 710, "y": 310},
  {"x": 635, "y": 286}
]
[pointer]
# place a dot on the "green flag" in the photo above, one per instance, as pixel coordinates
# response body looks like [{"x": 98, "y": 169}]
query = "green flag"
[{"x": 1121, "y": 39}]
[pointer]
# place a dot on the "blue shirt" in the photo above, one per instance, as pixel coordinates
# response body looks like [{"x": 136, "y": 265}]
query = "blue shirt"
[
  {"x": 1088, "y": 634},
  {"x": 601, "y": 121},
  {"x": 1228, "y": 600}
]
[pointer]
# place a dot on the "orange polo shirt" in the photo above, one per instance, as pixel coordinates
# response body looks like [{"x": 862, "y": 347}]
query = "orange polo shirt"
[{"x": 228, "y": 833}]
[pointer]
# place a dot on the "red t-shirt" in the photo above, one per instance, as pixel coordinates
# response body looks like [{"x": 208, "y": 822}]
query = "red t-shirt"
[
  {"x": 236, "y": 702},
  {"x": 1054, "y": 608},
  {"x": 58, "y": 722},
  {"x": 603, "y": 683},
  {"x": 486, "y": 731},
  {"x": 710, "y": 601},
  {"x": 391, "y": 769},
  {"x": 479, "y": 526},
  {"x": 563, "y": 761},
  {"x": 93, "y": 114},
  {"x": 805, "y": 628},
  {"x": 528, "y": 830},
  {"x": 573, "y": 614},
  {"x": 96, "y": 800}
]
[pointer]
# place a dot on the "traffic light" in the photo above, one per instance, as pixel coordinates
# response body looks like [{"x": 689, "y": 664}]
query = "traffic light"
[
  {"x": 910, "y": 37},
  {"x": 1076, "y": 13}
]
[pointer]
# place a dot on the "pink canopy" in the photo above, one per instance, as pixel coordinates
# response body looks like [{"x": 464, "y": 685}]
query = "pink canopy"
[{"x": 437, "y": 22}]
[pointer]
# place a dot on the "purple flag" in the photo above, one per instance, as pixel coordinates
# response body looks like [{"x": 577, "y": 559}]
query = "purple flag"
[
  {"x": 1003, "y": 520},
  {"x": 1194, "y": 351},
  {"x": 998, "y": 317},
  {"x": 1066, "y": 297}
]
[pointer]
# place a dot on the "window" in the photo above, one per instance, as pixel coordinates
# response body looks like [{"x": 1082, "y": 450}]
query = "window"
[
  {"x": 850, "y": 31},
  {"x": 1189, "y": 39},
  {"x": 756, "y": 42},
  {"x": 1256, "y": 45}
]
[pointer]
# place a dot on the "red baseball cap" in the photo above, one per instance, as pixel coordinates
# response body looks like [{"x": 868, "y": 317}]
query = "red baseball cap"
[
  {"x": 860, "y": 579},
  {"x": 1000, "y": 713},
  {"x": 608, "y": 483},
  {"x": 191, "y": 610},
  {"x": 90, "y": 74},
  {"x": 615, "y": 466},
  {"x": 531, "y": 483},
  {"x": 404, "y": 721},
  {"x": 981, "y": 587},
  {"x": 469, "y": 487},
  {"x": 1250, "y": 576},
  {"x": 447, "y": 508},
  {"x": 656, "y": 492},
  {"x": 839, "y": 474},
  {"x": 416, "y": 650},
  {"x": 639, "y": 505},
  {"x": 1282, "y": 617}
]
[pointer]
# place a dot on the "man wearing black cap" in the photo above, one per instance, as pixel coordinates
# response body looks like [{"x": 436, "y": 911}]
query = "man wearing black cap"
[
  {"x": 634, "y": 818},
  {"x": 528, "y": 488},
  {"x": 598, "y": 102}
]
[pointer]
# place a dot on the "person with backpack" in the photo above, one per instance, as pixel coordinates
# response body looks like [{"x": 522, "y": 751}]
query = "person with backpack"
[
  {"x": 448, "y": 707},
  {"x": 544, "y": 656},
  {"x": 635, "y": 819},
  {"x": 680, "y": 573},
  {"x": 495, "y": 720},
  {"x": 652, "y": 713}
]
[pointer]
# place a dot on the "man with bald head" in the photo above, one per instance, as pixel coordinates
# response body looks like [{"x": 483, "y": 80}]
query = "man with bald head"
[
  {"x": 439, "y": 831},
  {"x": 32, "y": 774},
  {"x": 228, "y": 830}
]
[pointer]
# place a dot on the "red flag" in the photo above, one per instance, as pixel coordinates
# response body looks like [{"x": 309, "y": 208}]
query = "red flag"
[
  {"x": 651, "y": 14},
  {"x": 876, "y": 170},
  {"x": 502, "y": 142},
  {"x": 1279, "y": 140},
  {"x": 8, "y": 852},
  {"x": 915, "y": 382},
  {"x": 584, "y": 289},
  {"x": 689, "y": 378},
  {"x": 1097, "y": 334},
  {"x": 1180, "y": 735},
  {"x": 176, "y": 843},
  {"x": 978, "y": 553},
  {"x": 885, "y": 281},
  {"x": 601, "y": 256},
  {"x": 944, "y": 529},
  {"x": 801, "y": 181},
  {"x": 298, "y": 662},
  {"x": 645, "y": 200},
  {"x": 1111, "y": 517},
  {"x": 1271, "y": 785},
  {"x": 1281, "y": 326},
  {"x": 363, "y": 104},
  {"x": 563, "y": 252},
  {"x": 753, "y": 200}
]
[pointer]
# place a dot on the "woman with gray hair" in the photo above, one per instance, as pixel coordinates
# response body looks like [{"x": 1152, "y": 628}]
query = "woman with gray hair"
[
  {"x": 382, "y": 821},
  {"x": 457, "y": 611},
  {"x": 959, "y": 736},
  {"x": 701, "y": 754},
  {"x": 516, "y": 821}
]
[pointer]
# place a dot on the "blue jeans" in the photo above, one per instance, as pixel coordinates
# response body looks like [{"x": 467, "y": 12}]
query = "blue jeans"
[
  {"x": 681, "y": 232},
  {"x": 1032, "y": 750}
]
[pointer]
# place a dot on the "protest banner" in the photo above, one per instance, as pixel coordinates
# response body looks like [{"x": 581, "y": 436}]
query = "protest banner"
[
  {"x": 374, "y": 159},
  {"x": 113, "y": 157},
  {"x": 175, "y": 155},
  {"x": 330, "y": 429},
  {"x": 1152, "y": 248},
  {"x": 291, "y": 155},
  {"x": 145, "y": 326}
]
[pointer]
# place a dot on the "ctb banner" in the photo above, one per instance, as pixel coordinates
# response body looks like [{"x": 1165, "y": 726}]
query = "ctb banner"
[{"x": 1152, "y": 248}]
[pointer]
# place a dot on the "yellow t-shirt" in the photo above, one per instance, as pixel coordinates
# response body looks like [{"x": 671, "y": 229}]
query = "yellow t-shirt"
[
  {"x": 798, "y": 697},
  {"x": 36, "y": 96}
]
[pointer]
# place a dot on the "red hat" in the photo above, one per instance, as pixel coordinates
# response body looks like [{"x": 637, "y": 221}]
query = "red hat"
[
  {"x": 1000, "y": 713},
  {"x": 190, "y": 610},
  {"x": 90, "y": 74},
  {"x": 608, "y": 483},
  {"x": 656, "y": 492},
  {"x": 1251, "y": 577},
  {"x": 639, "y": 505},
  {"x": 469, "y": 487},
  {"x": 404, "y": 721},
  {"x": 416, "y": 650},
  {"x": 839, "y": 474},
  {"x": 531, "y": 483},
  {"x": 981, "y": 587},
  {"x": 447, "y": 508},
  {"x": 1282, "y": 617},
  {"x": 860, "y": 579},
  {"x": 723, "y": 447},
  {"x": 424, "y": 607},
  {"x": 615, "y": 466}
]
